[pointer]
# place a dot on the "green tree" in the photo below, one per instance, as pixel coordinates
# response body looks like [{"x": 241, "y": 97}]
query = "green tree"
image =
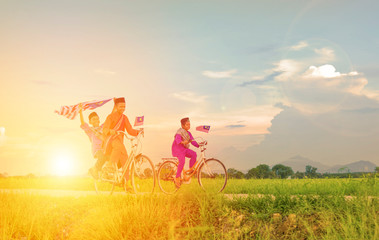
[
  {"x": 310, "y": 171},
  {"x": 233, "y": 173},
  {"x": 299, "y": 175},
  {"x": 261, "y": 171},
  {"x": 377, "y": 169},
  {"x": 282, "y": 171}
]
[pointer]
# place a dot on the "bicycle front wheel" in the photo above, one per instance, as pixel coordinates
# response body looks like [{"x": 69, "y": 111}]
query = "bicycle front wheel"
[
  {"x": 143, "y": 175},
  {"x": 166, "y": 174},
  {"x": 212, "y": 176},
  {"x": 105, "y": 184}
]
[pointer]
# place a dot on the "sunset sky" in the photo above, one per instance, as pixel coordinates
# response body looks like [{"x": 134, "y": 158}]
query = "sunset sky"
[{"x": 273, "y": 79}]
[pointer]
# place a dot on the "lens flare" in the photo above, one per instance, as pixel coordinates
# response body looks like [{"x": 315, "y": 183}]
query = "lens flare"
[{"x": 62, "y": 165}]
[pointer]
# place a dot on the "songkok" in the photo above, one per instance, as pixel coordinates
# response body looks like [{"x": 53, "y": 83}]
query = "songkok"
[
  {"x": 119, "y": 100},
  {"x": 93, "y": 114},
  {"x": 184, "y": 120}
]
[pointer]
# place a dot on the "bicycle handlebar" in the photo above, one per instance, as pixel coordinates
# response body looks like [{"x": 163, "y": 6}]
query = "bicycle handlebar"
[{"x": 142, "y": 132}]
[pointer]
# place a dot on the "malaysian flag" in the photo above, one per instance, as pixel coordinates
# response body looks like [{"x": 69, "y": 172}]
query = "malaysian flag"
[
  {"x": 70, "y": 112},
  {"x": 203, "y": 128},
  {"x": 138, "y": 121}
]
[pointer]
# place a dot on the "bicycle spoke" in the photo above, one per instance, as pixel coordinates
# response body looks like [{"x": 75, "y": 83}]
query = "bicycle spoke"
[
  {"x": 105, "y": 184},
  {"x": 143, "y": 175},
  {"x": 212, "y": 176},
  {"x": 166, "y": 175}
]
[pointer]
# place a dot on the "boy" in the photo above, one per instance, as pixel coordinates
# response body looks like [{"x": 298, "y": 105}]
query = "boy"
[
  {"x": 95, "y": 135},
  {"x": 180, "y": 148},
  {"x": 113, "y": 142}
]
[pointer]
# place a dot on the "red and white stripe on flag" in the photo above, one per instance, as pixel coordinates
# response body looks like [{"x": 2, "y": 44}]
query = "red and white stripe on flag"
[{"x": 70, "y": 112}]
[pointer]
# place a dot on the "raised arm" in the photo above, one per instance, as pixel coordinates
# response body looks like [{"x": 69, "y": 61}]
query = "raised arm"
[{"x": 81, "y": 114}]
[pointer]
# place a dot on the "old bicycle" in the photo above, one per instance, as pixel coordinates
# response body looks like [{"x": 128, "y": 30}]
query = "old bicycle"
[
  {"x": 211, "y": 173},
  {"x": 138, "y": 168}
]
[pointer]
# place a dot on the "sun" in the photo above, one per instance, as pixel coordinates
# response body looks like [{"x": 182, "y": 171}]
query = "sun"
[{"x": 62, "y": 165}]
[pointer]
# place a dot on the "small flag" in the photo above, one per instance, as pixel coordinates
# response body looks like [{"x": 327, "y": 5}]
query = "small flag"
[
  {"x": 203, "y": 128},
  {"x": 138, "y": 121},
  {"x": 70, "y": 112}
]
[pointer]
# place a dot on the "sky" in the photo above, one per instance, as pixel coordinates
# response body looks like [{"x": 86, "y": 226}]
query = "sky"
[{"x": 273, "y": 79}]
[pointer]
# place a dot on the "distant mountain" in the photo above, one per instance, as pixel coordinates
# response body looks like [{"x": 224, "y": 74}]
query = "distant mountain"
[
  {"x": 360, "y": 166},
  {"x": 298, "y": 163}
]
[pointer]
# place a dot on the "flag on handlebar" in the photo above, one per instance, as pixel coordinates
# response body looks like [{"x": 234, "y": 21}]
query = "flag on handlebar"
[
  {"x": 70, "y": 112},
  {"x": 138, "y": 121},
  {"x": 203, "y": 128}
]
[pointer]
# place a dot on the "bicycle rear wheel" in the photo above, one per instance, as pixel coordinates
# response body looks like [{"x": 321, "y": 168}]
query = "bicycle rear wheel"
[
  {"x": 166, "y": 174},
  {"x": 105, "y": 184},
  {"x": 212, "y": 176},
  {"x": 143, "y": 175}
]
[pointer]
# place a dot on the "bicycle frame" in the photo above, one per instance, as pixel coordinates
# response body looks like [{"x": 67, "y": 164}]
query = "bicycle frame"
[
  {"x": 194, "y": 169},
  {"x": 132, "y": 156}
]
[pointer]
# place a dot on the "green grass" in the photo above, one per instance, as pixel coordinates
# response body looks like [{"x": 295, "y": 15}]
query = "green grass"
[
  {"x": 300, "y": 209},
  {"x": 335, "y": 187}
]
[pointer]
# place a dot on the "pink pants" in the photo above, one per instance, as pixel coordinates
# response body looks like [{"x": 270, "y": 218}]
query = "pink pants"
[{"x": 182, "y": 159}]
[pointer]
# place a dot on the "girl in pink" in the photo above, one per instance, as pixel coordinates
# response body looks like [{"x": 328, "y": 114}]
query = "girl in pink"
[{"x": 180, "y": 148}]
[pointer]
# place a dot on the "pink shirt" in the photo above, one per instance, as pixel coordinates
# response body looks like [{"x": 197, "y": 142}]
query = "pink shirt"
[
  {"x": 178, "y": 148},
  {"x": 95, "y": 140}
]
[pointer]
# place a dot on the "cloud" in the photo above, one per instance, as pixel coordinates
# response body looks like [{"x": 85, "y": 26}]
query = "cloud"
[
  {"x": 327, "y": 77},
  {"x": 189, "y": 97},
  {"x": 299, "y": 46},
  {"x": 288, "y": 68},
  {"x": 260, "y": 80},
  {"x": 235, "y": 126},
  {"x": 325, "y": 71},
  {"x": 323, "y": 89},
  {"x": 326, "y": 54},
  {"x": 225, "y": 74},
  {"x": 248, "y": 121}
]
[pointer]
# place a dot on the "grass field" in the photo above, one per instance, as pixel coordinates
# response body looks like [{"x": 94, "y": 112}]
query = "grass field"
[{"x": 301, "y": 209}]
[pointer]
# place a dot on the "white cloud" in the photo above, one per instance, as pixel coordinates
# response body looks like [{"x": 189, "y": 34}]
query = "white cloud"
[
  {"x": 325, "y": 71},
  {"x": 288, "y": 69},
  {"x": 299, "y": 46},
  {"x": 225, "y": 74},
  {"x": 189, "y": 97},
  {"x": 327, "y": 77}
]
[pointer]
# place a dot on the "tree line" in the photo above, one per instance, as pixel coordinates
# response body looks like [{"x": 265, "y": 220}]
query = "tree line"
[{"x": 283, "y": 172}]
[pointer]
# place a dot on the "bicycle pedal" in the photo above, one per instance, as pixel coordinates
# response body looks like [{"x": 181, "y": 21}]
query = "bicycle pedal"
[{"x": 186, "y": 181}]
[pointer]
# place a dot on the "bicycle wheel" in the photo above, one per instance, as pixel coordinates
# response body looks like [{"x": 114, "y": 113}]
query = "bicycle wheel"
[
  {"x": 105, "y": 184},
  {"x": 143, "y": 175},
  {"x": 166, "y": 175},
  {"x": 212, "y": 176}
]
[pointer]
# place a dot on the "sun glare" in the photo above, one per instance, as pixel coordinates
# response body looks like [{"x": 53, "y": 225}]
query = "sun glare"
[{"x": 62, "y": 165}]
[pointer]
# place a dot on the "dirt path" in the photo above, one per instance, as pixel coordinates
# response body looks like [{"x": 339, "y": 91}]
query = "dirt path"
[{"x": 77, "y": 193}]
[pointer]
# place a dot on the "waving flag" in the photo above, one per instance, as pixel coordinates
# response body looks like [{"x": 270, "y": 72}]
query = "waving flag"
[
  {"x": 203, "y": 128},
  {"x": 70, "y": 112},
  {"x": 138, "y": 121}
]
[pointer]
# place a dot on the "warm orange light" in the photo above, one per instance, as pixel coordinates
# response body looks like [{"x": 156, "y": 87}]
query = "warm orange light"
[{"x": 62, "y": 165}]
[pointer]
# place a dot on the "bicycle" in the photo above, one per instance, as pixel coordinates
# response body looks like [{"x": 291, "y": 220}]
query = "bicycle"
[
  {"x": 138, "y": 168},
  {"x": 211, "y": 173}
]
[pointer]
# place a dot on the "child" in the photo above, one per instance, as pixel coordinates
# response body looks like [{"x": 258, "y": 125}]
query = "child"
[
  {"x": 180, "y": 148},
  {"x": 96, "y": 137}
]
